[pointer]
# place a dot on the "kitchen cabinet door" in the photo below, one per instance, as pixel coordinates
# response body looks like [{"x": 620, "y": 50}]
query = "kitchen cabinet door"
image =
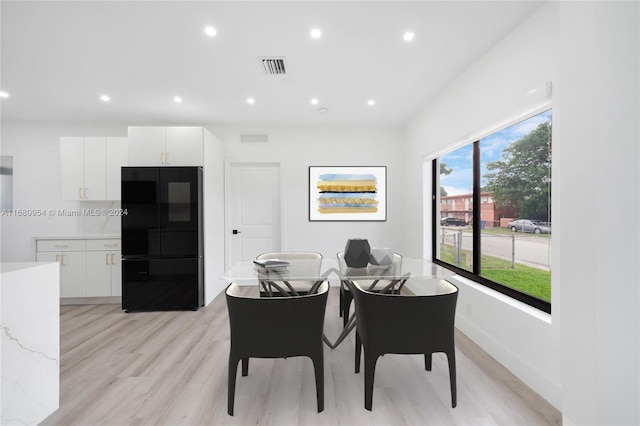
[
  {"x": 72, "y": 271},
  {"x": 98, "y": 273},
  {"x": 146, "y": 146},
  {"x": 184, "y": 146},
  {"x": 95, "y": 172},
  {"x": 117, "y": 155},
  {"x": 72, "y": 167},
  {"x": 83, "y": 168},
  {"x": 116, "y": 273},
  {"x": 103, "y": 267}
]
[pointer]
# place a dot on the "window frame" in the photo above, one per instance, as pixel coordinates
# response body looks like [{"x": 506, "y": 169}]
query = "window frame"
[{"x": 474, "y": 275}]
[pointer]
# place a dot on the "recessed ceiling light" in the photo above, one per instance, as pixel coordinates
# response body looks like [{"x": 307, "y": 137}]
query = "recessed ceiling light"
[
  {"x": 177, "y": 99},
  {"x": 105, "y": 98},
  {"x": 408, "y": 36},
  {"x": 316, "y": 33},
  {"x": 314, "y": 101},
  {"x": 210, "y": 31},
  {"x": 251, "y": 101},
  {"x": 371, "y": 102},
  {"x": 4, "y": 95},
  {"x": 323, "y": 110}
]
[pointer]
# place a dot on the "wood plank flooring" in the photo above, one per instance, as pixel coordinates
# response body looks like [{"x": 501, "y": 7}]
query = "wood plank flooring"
[{"x": 170, "y": 368}]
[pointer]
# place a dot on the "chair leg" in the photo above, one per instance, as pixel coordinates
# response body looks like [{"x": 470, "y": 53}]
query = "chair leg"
[
  {"x": 358, "y": 353},
  {"x": 318, "y": 366},
  {"x": 369, "y": 375},
  {"x": 347, "y": 306},
  {"x": 245, "y": 367},
  {"x": 341, "y": 301},
  {"x": 427, "y": 361},
  {"x": 451, "y": 356},
  {"x": 231, "y": 387}
]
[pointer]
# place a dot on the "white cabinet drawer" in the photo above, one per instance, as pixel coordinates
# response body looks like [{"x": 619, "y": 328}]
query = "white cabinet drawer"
[
  {"x": 106, "y": 244},
  {"x": 61, "y": 245}
]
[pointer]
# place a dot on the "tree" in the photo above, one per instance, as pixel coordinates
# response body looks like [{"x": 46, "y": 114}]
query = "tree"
[
  {"x": 522, "y": 179},
  {"x": 444, "y": 171}
]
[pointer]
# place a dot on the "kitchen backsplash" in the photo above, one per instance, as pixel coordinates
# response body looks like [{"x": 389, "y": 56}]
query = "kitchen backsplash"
[{"x": 99, "y": 217}]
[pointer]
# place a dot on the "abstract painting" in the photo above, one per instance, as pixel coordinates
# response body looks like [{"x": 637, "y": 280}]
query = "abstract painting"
[{"x": 342, "y": 193}]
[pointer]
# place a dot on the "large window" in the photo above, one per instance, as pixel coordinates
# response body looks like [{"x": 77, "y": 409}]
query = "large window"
[{"x": 492, "y": 210}]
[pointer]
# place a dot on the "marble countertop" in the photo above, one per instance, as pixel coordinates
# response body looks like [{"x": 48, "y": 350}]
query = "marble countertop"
[
  {"x": 78, "y": 237},
  {"x": 16, "y": 266}
]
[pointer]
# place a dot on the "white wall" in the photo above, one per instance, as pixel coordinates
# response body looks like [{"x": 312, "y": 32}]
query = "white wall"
[
  {"x": 597, "y": 278},
  {"x": 584, "y": 358},
  {"x": 494, "y": 91},
  {"x": 298, "y": 147},
  {"x": 214, "y": 216}
]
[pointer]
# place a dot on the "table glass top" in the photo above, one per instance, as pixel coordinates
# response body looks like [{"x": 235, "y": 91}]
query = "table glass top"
[{"x": 247, "y": 271}]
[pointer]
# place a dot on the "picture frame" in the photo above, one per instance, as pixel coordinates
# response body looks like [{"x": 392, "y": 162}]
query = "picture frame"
[{"x": 347, "y": 193}]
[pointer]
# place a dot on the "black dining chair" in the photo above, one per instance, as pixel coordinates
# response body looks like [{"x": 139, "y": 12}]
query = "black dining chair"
[
  {"x": 276, "y": 327},
  {"x": 403, "y": 324},
  {"x": 374, "y": 285}
]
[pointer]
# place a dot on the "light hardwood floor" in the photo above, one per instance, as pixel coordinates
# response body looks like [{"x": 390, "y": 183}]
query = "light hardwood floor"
[{"x": 170, "y": 368}]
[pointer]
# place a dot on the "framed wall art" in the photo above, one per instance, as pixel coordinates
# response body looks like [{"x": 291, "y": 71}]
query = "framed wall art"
[{"x": 343, "y": 193}]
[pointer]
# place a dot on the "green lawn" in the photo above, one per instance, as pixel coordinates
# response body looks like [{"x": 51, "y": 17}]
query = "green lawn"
[{"x": 533, "y": 281}]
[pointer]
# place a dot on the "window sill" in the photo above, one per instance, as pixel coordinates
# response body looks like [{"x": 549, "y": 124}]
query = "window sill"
[{"x": 515, "y": 304}]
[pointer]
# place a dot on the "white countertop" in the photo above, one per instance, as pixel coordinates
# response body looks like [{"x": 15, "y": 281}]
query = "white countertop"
[
  {"x": 78, "y": 237},
  {"x": 11, "y": 267},
  {"x": 30, "y": 321}
]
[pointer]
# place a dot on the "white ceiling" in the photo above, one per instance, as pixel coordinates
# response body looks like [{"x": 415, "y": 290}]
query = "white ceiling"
[{"x": 57, "y": 58}]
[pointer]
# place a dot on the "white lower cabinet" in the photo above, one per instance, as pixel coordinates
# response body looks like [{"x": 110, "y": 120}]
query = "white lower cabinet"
[
  {"x": 88, "y": 267},
  {"x": 104, "y": 268},
  {"x": 71, "y": 256}
]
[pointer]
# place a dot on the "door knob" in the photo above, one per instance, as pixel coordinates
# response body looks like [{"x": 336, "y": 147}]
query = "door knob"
[{"x": 235, "y": 231}]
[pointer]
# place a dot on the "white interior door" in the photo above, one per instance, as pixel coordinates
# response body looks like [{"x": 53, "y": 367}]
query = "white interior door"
[{"x": 253, "y": 210}]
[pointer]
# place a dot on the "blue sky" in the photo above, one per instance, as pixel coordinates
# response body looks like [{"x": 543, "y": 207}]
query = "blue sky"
[{"x": 491, "y": 147}]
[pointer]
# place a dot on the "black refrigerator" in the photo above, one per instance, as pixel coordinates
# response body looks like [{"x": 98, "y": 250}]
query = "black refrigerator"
[{"x": 162, "y": 238}]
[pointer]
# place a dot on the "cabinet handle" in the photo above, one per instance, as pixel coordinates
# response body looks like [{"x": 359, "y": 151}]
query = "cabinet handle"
[
  {"x": 111, "y": 244},
  {"x": 61, "y": 245},
  {"x": 167, "y": 158},
  {"x": 112, "y": 259},
  {"x": 80, "y": 192},
  {"x": 57, "y": 258},
  {"x": 162, "y": 158},
  {"x": 86, "y": 193},
  {"x": 62, "y": 263}
]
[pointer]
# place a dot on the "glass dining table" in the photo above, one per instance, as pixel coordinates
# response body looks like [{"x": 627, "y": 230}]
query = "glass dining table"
[{"x": 279, "y": 278}]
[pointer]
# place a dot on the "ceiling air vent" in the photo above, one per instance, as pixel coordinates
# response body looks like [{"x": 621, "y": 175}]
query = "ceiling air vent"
[
  {"x": 254, "y": 137},
  {"x": 273, "y": 65}
]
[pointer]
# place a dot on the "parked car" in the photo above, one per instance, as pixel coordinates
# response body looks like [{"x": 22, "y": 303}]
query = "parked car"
[
  {"x": 526, "y": 225},
  {"x": 452, "y": 221}
]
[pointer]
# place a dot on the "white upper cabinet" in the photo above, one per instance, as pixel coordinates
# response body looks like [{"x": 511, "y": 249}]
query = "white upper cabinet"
[
  {"x": 83, "y": 168},
  {"x": 95, "y": 169},
  {"x": 117, "y": 155},
  {"x": 146, "y": 146},
  {"x": 184, "y": 146},
  {"x": 72, "y": 168},
  {"x": 166, "y": 146},
  {"x": 90, "y": 167}
]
